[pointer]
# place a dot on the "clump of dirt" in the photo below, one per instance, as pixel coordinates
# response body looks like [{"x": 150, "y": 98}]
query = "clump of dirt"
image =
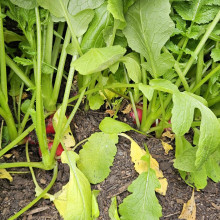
[{"x": 20, "y": 192}]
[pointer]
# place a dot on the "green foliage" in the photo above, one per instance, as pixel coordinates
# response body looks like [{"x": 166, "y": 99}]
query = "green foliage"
[
  {"x": 199, "y": 11},
  {"x": 111, "y": 126},
  {"x": 113, "y": 212},
  {"x": 142, "y": 203},
  {"x": 97, "y": 156},
  {"x": 27, "y": 4},
  {"x": 98, "y": 59},
  {"x": 148, "y": 29}
]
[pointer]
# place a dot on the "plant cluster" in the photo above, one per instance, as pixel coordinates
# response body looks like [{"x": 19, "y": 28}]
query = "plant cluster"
[{"x": 160, "y": 55}]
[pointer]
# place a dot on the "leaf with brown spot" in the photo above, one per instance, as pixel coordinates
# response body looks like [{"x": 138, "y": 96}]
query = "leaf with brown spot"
[{"x": 189, "y": 209}]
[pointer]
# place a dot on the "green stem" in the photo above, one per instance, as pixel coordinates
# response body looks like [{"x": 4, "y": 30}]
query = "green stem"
[
  {"x": 16, "y": 141},
  {"x": 132, "y": 101},
  {"x": 57, "y": 42},
  {"x": 60, "y": 131},
  {"x": 19, "y": 72},
  {"x": 40, "y": 124},
  {"x": 55, "y": 171},
  {"x": 27, "y": 114},
  {"x": 144, "y": 80},
  {"x": 214, "y": 101},
  {"x": 47, "y": 87},
  {"x": 181, "y": 76},
  {"x": 2, "y": 59},
  {"x": 199, "y": 70},
  {"x": 74, "y": 38},
  {"x": 39, "y": 165},
  {"x": 201, "y": 43},
  {"x": 206, "y": 78},
  {"x": 60, "y": 69}
]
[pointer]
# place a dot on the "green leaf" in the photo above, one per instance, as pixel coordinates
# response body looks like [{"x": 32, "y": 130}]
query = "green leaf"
[
  {"x": 186, "y": 160},
  {"x": 142, "y": 203},
  {"x": 116, "y": 9},
  {"x": 95, "y": 101},
  {"x": 76, "y": 6},
  {"x": 74, "y": 201},
  {"x": 132, "y": 65},
  {"x": 113, "y": 212},
  {"x": 163, "y": 64},
  {"x": 213, "y": 166},
  {"x": 215, "y": 54},
  {"x": 27, "y": 4},
  {"x": 94, "y": 36},
  {"x": 80, "y": 21},
  {"x": 97, "y": 156},
  {"x": 95, "y": 205},
  {"x": 98, "y": 59},
  {"x": 25, "y": 105},
  {"x": 196, "y": 10},
  {"x": 146, "y": 90},
  {"x": 182, "y": 118},
  {"x": 163, "y": 85},
  {"x": 194, "y": 178},
  {"x": 10, "y": 36},
  {"x": 195, "y": 31},
  {"x": 148, "y": 29},
  {"x": 112, "y": 126},
  {"x": 23, "y": 61},
  {"x": 53, "y": 6}
]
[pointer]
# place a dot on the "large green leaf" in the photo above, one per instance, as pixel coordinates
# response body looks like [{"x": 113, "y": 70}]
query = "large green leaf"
[
  {"x": 97, "y": 156},
  {"x": 27, "y": 4},
  {"x": 98, "y": 59},
  {"x": 148, "y": 29},
  {"x": 182, "y": 117},
  {"x": 112, "y": 126},
  {"x": 199, "y": 11},
  {"x": 116, "y": 9},
  {"x": 75, "y": 6},
  {"x": 142, "y": 203},
  {"x": 94, "y": 37},
  {"x": 74, "y": 201}
]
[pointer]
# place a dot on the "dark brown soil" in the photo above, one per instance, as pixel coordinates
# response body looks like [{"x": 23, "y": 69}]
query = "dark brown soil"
[{"x": 20, "y": 192}]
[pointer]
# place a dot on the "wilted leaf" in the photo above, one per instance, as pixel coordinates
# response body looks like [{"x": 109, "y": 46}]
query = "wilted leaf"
[
  {"x": 189, "y": 209},
  {"x": 4, "y": 174},
  {"x": 74, "y": 201},
  {"x": 68, "y": 139},
  {"x": 167, "y": 147},
  {"x": 127, "y": 109},
  {"x": 168, "y": 134},
  {"x": 141, "y": 166},
  {"x": 110, "y": 112}
]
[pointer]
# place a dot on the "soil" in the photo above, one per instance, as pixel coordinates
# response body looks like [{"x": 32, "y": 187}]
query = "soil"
[{"x": 18, "y": 193}]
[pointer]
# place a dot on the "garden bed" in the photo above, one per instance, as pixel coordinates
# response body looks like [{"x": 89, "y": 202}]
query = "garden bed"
[{"x": 20, "y": 192}]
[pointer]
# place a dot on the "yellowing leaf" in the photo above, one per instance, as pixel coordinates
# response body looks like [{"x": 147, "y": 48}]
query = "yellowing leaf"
[
  {"x": 127, "y": 109},
  {"x": 68, "y": 139},
  {"x": 8, "y": 155},
  {"x": 74, "y": 200},
  {"x": 189, "y": 209},
  {"x": 5, "y": 175},
  {"x": 167, "y": 147},
  {"x": 169, "y": 135},
  {"x": 110, "y": 112},
  {"x": 141, "y": 166}
]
